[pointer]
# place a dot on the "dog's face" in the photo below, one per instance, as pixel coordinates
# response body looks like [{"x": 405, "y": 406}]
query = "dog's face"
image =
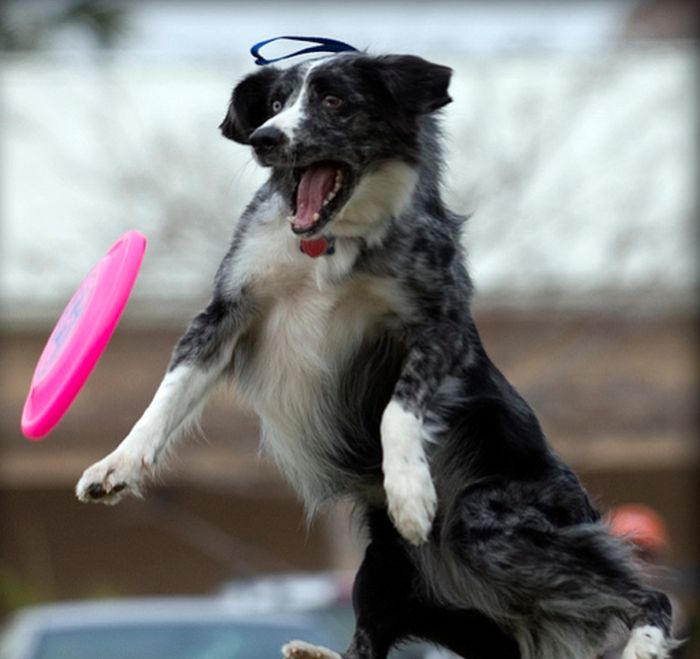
[{"x": 324, "y": 125}]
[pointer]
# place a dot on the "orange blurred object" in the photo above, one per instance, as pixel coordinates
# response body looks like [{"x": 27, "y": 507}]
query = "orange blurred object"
[{"x": 641, "y": 525}]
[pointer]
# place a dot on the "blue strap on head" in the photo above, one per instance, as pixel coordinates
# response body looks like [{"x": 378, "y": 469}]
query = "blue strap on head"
[{"x": 324, "y": 46}]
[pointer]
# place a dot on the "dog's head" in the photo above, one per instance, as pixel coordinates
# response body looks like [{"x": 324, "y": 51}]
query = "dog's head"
[{"x": 327, "y": 124}]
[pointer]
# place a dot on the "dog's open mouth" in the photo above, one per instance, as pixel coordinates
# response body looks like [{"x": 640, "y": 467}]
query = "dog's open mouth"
[{"x": 322, "y": 189}]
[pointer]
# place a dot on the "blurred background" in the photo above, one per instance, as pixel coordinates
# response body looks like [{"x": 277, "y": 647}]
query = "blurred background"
[{"x": 573, "y": 141}]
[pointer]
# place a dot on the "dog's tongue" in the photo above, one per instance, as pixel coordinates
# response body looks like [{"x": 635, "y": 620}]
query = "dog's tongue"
[{"x": 315, "y": 185}]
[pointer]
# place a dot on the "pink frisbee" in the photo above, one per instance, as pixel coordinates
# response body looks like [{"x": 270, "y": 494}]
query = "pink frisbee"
[{"x": 81, "y": 335}]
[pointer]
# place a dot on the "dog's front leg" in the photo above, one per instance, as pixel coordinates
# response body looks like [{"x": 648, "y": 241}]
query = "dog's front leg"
[
  {"x": 410, "y": 493},
  {"x": 199, "y": 359}
]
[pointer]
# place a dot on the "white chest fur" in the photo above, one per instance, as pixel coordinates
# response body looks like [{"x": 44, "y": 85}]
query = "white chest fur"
[{"x": 313, "y": 314}]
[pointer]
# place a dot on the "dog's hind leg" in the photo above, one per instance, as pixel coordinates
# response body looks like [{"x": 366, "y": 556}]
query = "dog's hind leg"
[
  {"x": 379, "y": 600},
  {"x": 380, "y": 595},
  {"x": 572, "y": 589},
  {"x": 199, "y": 359},
  {"x": 392, "y": 604},
  {"x": 382, "y": 598}
]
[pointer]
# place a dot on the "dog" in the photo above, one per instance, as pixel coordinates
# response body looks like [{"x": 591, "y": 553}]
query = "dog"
[{"x": 342, "y": 312}]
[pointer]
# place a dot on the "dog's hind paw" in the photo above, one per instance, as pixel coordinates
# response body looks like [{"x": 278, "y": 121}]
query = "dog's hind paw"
[
  {"x": 646, "y": 642},
  {"x": 302, "y": 650}
]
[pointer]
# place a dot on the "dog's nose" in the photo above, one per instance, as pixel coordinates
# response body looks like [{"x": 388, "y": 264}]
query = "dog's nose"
[{"x": 267, "y": 138}]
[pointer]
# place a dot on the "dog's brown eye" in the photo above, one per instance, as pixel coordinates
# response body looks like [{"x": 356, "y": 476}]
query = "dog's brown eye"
[
  {"x": 276, "y": 106},
  {"x": 331, "y": 101}
]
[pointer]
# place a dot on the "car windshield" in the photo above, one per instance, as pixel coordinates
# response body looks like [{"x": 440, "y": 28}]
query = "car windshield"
[{"x": 202, "y": 641}]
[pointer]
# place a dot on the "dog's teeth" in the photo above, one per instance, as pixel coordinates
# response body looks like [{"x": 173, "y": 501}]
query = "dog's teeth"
[
  {"x": 338, "y": 184},
  {"x": 316, "y": 217},
  {"x": 330, "y": 196}
]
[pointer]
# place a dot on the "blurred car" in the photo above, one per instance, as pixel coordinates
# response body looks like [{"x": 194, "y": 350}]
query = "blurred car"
[
  {"x": 154, "y": 628},
  {"x": 326, "y": 596}
]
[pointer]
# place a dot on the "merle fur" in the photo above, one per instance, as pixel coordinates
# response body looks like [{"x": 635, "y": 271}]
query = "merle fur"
[{"x": 518, "y": 562}]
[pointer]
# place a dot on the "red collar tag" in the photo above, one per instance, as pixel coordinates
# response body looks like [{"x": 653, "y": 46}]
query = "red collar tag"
[{"x": 317, "y": 247}]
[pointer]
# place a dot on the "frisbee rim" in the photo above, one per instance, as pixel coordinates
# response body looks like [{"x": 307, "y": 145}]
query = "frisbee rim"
[{"x": 54, "y": 387}]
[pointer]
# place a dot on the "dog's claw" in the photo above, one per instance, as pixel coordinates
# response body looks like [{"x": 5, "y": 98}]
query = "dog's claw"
[
  {"x": 111, "y": 479},
  {"x": 95, "y": 491}
]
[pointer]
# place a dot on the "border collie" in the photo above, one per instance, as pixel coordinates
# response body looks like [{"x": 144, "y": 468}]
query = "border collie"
[{"x": 342, "y": 312}]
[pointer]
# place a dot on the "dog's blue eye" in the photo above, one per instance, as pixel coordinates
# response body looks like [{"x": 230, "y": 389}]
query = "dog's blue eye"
[
  {"x": 276, "y": 106},
  {"x": 331, "y": 101}
]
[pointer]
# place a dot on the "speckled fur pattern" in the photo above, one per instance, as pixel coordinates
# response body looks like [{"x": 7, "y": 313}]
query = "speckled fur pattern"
[{"x": 371, "y": 383}]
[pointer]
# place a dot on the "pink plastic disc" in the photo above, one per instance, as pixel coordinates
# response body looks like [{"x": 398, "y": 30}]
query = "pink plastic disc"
[{"x": 81, "y": 335}]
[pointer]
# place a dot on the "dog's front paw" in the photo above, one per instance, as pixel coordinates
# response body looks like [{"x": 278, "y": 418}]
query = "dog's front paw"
[
  {"x": 646, "y": 642},
  {"x": 111, "y": 479},
  {"x": 411, "y": 502},
  {"x": 302, "y": 650},
  {"x": 410, "y": 494}
]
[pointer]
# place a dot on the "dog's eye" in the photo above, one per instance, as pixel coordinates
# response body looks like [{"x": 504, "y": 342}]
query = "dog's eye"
[
  {"x": 276, "y": 106},
  {"x": 332, "y": 102}
]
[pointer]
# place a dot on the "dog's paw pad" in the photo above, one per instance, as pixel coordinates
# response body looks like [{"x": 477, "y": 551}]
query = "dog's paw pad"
[
  {"x": 303, "y": 650},
  {"x": 646, "y": 642},
  {"x": 111, "y": 479}
]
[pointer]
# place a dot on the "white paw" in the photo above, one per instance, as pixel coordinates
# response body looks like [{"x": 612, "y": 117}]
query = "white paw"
[
  {"x": 410, "y": 494},
  {"x": 108, "y": 481},
  {"x": 302, "y": 650},
  {"x": 411, "y": 501},
  {"x": 646, "y": 643}
]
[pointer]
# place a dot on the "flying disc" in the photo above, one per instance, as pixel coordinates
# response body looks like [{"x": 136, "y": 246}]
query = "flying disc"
[{"x": 81, "y": 335}]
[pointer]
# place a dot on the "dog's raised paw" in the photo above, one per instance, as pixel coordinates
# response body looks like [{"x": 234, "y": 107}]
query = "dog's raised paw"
[
  {"x": 410, "y": 493},
  {"x": 646, "y": 642},
  {"x": 111, "y": 479},
  {"x": 411, "y": 503},
  {"x": 303, "y": 650}
]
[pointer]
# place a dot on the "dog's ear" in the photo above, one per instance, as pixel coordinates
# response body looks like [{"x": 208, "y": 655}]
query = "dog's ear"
[
  {"x": 416, "y": 84},
  {"x": 249, "y": 106}
]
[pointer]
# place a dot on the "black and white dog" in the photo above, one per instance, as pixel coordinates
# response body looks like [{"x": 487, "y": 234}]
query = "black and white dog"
[{"x": 342, "y": 311}]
